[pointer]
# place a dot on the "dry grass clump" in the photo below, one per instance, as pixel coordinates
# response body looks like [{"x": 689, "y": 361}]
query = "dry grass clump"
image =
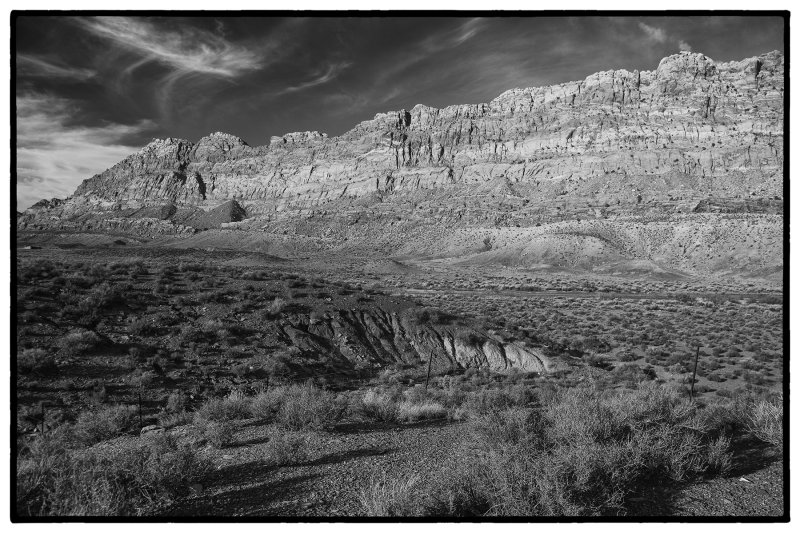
[
  {"x": 393, "y": 497},
  {"x": 130, "y": 477}
]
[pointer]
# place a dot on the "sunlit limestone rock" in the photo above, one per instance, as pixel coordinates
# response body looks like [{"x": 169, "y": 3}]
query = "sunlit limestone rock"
[{"x": 620, "y": 148}]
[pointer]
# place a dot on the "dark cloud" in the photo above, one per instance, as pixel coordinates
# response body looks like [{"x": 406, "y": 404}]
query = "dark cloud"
[{"x": 108, "y": 85}]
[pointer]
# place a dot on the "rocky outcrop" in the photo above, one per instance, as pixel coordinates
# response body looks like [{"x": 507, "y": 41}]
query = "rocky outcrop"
[
  {"x": 619, "y": 146},
  {"x": 386, "y": 338}
]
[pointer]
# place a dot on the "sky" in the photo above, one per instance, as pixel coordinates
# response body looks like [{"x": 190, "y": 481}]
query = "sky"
[{"x": 92, "y": 90}]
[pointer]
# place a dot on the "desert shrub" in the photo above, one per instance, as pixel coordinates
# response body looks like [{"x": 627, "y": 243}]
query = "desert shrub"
[
  {"x": 422, "y": 316},
  {"x": 412, "y": 412},
  {"x": 458, "y": 494},
  {"x": 378, "y": 406},
  {"x": 631, "y": 374},
  {"x": 764, "y": 420},
  {"x": 242, "y": 370},
  {"x": 267, "y": 404},
  {"x": 128, "y": 478},
  {"x": 176, "y": 402},
  {"x": 218, "y": 433},
  {"x": 471, "y": 338},
  {"x": 627, "y": 357},
  {"x": 144, "y": 325},
  {"x": 275, "y": 308},
  {"x": 275, "y": 366},
  {"x": 392, "y": 496},
  {"x": 287, "y": 448},
  {"x": 173, "y": 419},
  {"x": 255, "y": 275},
  {"x": 35, "y": 360},
  {"x": 309, "y": 407},
  {"x": 585, "y": 453},
  {"x": 103, "y": 295},
  {"x": 488, "y": 400},
  {"x": 235, "y": 406},
  {"x": 417, "y": 394},
  {"x": 79, "y": 342},
  {"x": 105, "y": 423}
]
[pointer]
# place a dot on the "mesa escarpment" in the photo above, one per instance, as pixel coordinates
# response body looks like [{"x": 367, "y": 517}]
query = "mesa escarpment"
[{"x": 619, "y": 167}]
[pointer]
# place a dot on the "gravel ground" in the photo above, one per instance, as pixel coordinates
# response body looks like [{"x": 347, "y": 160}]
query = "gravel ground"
[
  {"x": 341, "y": 463},
  {"x": 328, "y": 483}
]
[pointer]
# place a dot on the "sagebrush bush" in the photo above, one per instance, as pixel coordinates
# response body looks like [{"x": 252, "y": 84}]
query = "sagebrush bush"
[
  {"x": 218, "y": 433},
  {"x": 585, "y": 453},
  {"x": 267, "y": 404},
  {"x": 299, "y": 407},
  {"x": 377, "y": 406},
  {"x": 35, "y": 360},
  {"x": 235, "y": 406},
  {"x": 132, "y": 477},
  {"x": 79, "y": 342},
  {"x": 764, "y": 420},
  {"x": 105, "y": 423},
  {"x": 171, "y": 419},
  {"x": 309, "y": 407}
]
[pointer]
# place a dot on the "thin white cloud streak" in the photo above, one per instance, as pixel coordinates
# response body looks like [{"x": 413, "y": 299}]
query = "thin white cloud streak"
[
  {"x": 683, "y": 45},
  {"x": 53, "y": 158},
  {"x": 188, "y": 50},
  {"x": 36, "y": 66},
  {"x": 452, "y": 38},
  {"x": 330, "y": 74},
  {"x": 467, "y": 31},
  {"x": 429, "y": 46}
]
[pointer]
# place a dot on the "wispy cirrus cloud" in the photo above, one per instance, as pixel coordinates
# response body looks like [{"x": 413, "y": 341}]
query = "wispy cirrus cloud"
[
  {"x": 187, "y": 53},
  {"x": 54, "y": 157},
  {"x": 320, "y": 78},
  {"x": 187, "y": 50},
  {"x": 659, "y": 35},
  {"x": 31, "y": 65}
]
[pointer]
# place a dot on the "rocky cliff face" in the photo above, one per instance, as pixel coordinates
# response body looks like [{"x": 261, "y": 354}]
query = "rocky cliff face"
[{"x": 622, "y": 149}]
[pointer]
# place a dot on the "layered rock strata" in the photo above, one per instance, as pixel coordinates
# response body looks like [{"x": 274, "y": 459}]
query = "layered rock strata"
[{"x": 684, "y": 145}]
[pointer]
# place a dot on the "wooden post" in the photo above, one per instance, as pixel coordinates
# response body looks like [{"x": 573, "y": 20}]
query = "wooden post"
[
  {"x": 428, "y": 377},
  {"x": 694, "y": 374}
]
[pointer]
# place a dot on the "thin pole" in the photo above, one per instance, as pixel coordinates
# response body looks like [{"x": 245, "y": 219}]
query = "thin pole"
[
  {"x": 696, "y": 357},
  {"x": 428, "y": 377},
  {"x": 140, "y": 409}
]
